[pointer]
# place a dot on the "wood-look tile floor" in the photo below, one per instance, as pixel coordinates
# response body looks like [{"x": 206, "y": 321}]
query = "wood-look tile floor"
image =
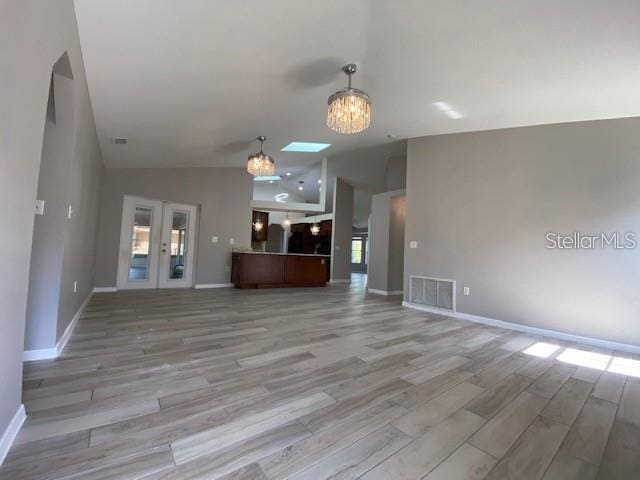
[{"x": 313, "y": 384}]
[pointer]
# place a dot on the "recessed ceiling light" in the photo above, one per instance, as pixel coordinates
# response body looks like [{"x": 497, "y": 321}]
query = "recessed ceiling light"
[
  {"x": 319, "y": 180},
  {"x": 448, "y": 110},
  {"x": 300, "y": 188},
  {"x": 288, "y": 174},
  {"x": 308, "y": 147},
  {"x": 270, "y": 181}
]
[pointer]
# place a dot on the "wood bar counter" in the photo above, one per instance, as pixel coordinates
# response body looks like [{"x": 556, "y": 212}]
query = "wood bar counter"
[{"x": 261, "y": 270}]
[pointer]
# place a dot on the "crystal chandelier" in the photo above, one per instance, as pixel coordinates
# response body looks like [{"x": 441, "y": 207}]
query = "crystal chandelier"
[
  {"x": 349, "y": 109},
  {"x": 260, "y": 164},
  {"x": 315, "y": 229}
]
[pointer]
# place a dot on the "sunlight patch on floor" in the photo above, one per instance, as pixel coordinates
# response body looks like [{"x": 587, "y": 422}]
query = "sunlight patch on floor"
[
  {"x": 542, "y": 350},
  {"x": 584, "y": 358}
]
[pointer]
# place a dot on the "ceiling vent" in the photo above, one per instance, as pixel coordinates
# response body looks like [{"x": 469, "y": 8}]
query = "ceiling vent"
[
  {"x": 120, "y": 140},
  {"x": 433, "y": 292}
]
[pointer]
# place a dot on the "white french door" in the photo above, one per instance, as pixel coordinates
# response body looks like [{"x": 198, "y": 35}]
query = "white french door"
[{"x": 157, "y": 244}]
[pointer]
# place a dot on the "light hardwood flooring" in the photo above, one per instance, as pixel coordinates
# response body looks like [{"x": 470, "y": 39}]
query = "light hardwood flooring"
[{"x": 314, "y": 384}]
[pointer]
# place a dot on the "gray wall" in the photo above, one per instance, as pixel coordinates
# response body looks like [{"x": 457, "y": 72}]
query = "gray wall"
[
  {"x": 479, "y": 206},
  {"x": 397, "y": 211},
  {"x": 396, "y": 173},
  {"x": 342, "y": 230},
  {"x": 47, "y": 251},
  {"x": 33, "y": 36},
  {"x": 223, "y": 194},
  {"x": 386, "y": 241}
]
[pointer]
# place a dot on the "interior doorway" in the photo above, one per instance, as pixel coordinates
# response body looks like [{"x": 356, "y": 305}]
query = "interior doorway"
[{"x": 157, "y": 244}]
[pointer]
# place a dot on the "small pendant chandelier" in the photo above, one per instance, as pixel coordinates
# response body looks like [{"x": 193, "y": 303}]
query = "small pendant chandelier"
[
  {"x": 286, "y": 223},
  {"x": 260, "y": 164},
  {"x": 258, "y": 225},
  {"x": 315, "y": 229},
  {"x": 349, "y": 109}
]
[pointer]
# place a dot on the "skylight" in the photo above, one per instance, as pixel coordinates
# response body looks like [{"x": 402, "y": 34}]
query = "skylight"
[
  {"x": 307, "y": 147},
  {"x": 268, "y": 178}
]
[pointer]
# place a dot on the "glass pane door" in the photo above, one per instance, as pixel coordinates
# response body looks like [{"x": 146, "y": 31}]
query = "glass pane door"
[
  {"x": 140, "y": 244},
  {"x": 139, "y": 239},
  {"x": 178, "y": 244},
  {"x": 176, "y": 252}
]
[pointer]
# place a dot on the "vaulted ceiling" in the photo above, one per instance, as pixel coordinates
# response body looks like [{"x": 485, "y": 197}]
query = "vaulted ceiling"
[{"x": 192, "y": 82}]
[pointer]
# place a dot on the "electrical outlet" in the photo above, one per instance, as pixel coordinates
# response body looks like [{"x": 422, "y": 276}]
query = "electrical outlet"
[
  {"x": 413, "y": 244},
  {"x": 231, "y": 241},
  {"x": 39, "y": 207},
  {"x": 214, "y": 239},
  {"x": 465, "y": 291},
  {"x": 75, "y": 287}
]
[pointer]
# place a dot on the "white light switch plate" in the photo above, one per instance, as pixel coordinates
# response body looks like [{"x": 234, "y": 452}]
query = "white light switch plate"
[
  {"x": 214, "y": 239},
  {"x": 39, "y": 207},
  {"x": 413, "y": 244},
  {"x": 465, "y": 290},
  {"x": 231, "y": 241}
]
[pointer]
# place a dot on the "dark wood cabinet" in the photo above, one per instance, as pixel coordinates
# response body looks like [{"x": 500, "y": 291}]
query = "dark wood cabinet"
[{"x": 259, "y": 270}]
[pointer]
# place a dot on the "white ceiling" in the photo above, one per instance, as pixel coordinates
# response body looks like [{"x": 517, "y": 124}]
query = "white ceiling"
[{"x": 192, "y": 82}]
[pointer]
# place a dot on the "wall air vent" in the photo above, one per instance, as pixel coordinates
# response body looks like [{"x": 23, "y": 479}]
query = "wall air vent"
[
  {"x": 433, "y": 292},
  {"x": 120, "y": 140}
]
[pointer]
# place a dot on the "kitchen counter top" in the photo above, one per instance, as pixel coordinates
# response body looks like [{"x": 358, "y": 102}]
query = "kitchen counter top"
[{"x": 250, "y": 252}]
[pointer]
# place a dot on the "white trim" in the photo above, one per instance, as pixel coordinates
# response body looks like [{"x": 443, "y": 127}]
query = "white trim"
[
  {"x": 11, "y": 432},
  {"x": 41, "y": 354},
  {"x": 340, "y": 280},
  {"x": 105, "y": 289},
  {"x": 384, "y": 292},
  {"x": 624, "y": 347},
  {"x": 49, "y": 353},
  {"x": 213, "y": 285},
  {"x": 72, "y": 324}
]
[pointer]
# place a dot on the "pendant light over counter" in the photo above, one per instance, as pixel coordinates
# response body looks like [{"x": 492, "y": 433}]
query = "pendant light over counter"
[
  {"x": 349, "y": 109},
  {"x": 260, "y": 164}
]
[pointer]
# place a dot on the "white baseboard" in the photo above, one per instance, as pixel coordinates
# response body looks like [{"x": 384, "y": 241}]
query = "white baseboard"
[
  {"x": 49, "y": 353},
  {"x": 40, "y": 354},
  {"x": 384, "y": 292},
  {"x": 72, "y": 324},
  {"x": 105, "y": 289},
  {"x": 340, "y": 280},
  {"x": 596, "y": 342},
  {"x": 11, "y": 432},
  {"x": 213, "y": 285}
]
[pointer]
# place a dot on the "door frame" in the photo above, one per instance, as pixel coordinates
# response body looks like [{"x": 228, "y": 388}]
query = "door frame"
[{"x": 126, "y": 225}]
